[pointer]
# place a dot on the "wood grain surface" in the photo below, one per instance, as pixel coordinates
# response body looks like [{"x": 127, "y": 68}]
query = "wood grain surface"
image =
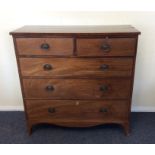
[{"x": 76, "y": 67}]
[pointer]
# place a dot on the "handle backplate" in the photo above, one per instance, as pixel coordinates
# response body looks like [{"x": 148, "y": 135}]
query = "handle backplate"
[
  {"x": 47, "y": 67},
  {"x": 49, "y": 88},
  {"x": 45, "y": 46},
  {"x": 105, "y": 48},
  {"x": 51, "y": 110}
]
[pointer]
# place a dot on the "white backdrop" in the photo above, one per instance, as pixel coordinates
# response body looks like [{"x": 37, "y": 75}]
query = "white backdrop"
[{"x": 17, "y": 14}]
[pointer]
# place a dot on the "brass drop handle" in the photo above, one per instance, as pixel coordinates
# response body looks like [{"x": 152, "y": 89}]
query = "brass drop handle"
[
  {"x": 104, "y": 67},
  {"x": 104, "y": 88},
  {"x": 49, "y": 88},
  {"x": 103, "y": 110},
  {"x": 47, "y": 67},
  {"x": 51, "y": 110},
  {"x": 105, "y": 48},
  {"x": 45, "y": 46}
]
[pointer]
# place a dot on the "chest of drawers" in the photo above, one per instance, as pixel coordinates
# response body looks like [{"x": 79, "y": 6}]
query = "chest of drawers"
[{"x": 76, "y": 76}]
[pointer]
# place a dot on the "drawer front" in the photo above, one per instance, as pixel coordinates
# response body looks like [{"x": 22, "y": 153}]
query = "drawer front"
[
  {"x": 68, "y": 67},
  {"x": 106, "y": 47},
  {"x": 48, "y": 110},
  {"x": 45, "y": 46},
  {"x": 77, "y": 88}
]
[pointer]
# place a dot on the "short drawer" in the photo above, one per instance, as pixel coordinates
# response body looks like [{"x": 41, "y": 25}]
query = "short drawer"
[
  {"x": 77, "y": 88},
  {"x": 106, "y": 47},
  {"x": 44, "y": 46},
  {"x": 73, "y": 110},
  {"x": 76, "y": 67}
]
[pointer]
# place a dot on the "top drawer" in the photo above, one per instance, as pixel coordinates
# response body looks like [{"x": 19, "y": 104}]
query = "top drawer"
[
  {"x": 106, "y": 47},
  {"x": 45, "y": 46}
]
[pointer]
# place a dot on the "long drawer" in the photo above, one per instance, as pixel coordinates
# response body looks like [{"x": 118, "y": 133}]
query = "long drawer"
[
  {"x": 77, "y": 88},
  {"x": 106, "y": 47},
  {"x": 49, "y": 110},
  {"x": 76, "y": 67},
  {"x": 45, "y": 46}
]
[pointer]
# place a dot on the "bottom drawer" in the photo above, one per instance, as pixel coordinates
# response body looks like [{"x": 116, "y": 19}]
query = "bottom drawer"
[{"x": 48, "y": 111}]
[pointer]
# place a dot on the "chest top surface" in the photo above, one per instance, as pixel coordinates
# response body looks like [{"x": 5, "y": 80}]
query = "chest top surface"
[{"x": 108, "y": 29}]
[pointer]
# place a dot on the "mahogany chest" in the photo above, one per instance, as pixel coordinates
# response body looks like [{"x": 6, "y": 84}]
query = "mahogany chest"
[{"x": 76, "y": 76}]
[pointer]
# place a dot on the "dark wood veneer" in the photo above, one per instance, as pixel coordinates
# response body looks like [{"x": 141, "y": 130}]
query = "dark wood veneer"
[
  {"x": 77, "y": 110},
  {"x": 73, "y": 67},
  {"x": 116, "y": 47},
  {"x": 55, "y": 46},
  {"x": 76, "y": 76},
  {"x": 77, "y": 88}
]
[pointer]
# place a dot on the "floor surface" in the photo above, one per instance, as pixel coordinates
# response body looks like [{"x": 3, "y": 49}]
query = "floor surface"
[{"x": 13, "y": 130}]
